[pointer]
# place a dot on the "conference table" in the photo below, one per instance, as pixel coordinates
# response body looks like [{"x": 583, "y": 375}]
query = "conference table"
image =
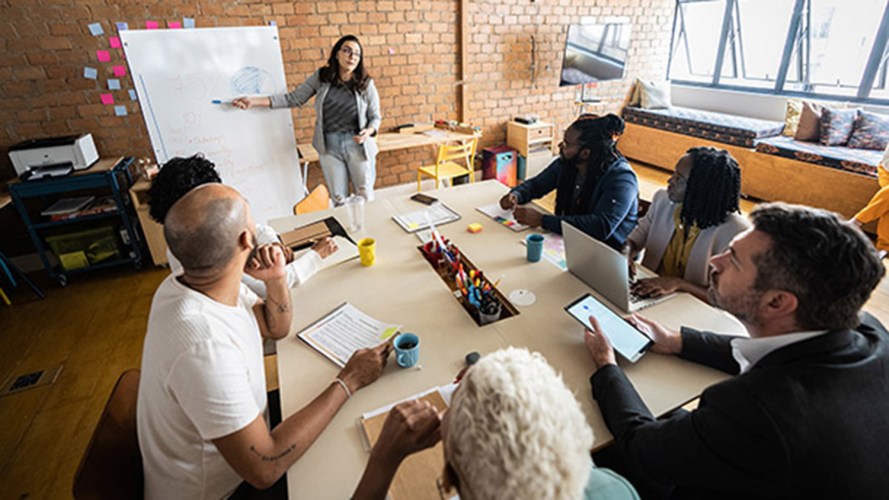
[{"x": 403, "y": 288}]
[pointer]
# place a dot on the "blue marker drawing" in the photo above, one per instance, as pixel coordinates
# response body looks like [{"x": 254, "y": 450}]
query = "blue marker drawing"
[{"x": 249, "y": 80}]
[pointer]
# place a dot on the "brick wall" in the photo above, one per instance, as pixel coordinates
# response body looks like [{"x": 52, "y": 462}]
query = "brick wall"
[{"x": 411, "y": 46}]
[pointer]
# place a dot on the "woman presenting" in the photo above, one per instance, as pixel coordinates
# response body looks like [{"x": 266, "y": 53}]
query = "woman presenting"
[{"x": 347, "y": 110}]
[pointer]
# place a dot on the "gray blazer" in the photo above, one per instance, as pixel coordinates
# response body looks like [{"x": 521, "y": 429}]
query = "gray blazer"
[{"x": 368, "y": 109}]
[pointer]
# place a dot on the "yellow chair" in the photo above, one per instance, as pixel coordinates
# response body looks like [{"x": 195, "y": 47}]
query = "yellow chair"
[
  {"x": 445, "y": 167},
  {"x": 318, "y": 199}
]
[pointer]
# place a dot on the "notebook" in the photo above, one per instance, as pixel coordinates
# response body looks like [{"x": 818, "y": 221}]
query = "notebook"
[{"x": 605, "y": 270}]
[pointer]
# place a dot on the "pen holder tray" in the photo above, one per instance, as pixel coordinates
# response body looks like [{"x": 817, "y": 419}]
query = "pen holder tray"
[{"x": 507, "y": 310}]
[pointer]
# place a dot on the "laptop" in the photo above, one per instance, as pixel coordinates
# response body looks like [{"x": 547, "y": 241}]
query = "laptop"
[{"x": 604, "y": 269}]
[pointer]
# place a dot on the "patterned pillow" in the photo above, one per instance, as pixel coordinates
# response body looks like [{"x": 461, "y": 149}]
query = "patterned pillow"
[
  {"x": 837, "y": 125},
  {"x": 871, "y": 131},
  {"x": 792, "y": 116}
]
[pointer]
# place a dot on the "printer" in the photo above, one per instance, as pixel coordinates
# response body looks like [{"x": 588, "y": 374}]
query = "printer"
[{"x": 76, "y": 151}]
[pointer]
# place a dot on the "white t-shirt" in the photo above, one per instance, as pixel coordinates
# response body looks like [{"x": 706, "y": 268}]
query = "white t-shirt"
[{"x": 202, "y": 379}]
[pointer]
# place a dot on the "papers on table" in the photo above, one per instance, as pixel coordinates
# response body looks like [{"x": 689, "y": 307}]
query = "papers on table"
[
  {"x": 345, "y": 330},
  {"x": 503, "y": 217},
  {"x": 437, "y": 214}
]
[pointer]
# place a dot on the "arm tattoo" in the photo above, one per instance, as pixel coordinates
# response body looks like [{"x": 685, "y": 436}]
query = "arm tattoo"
[
  {"x": 266, "y": 458},
  {"x": 280, "y": 307}
]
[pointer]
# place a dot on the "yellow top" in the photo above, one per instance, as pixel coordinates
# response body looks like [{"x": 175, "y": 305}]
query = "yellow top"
[{"x": 677, "y": 251}]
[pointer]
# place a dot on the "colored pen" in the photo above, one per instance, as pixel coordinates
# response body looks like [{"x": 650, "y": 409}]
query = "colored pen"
[{"x": 219, "y": 101}]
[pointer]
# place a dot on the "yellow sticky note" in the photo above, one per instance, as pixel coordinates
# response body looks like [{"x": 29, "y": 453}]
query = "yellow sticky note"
[
  {"x": 388, "y": 332},
  {"x": 412, "y": 225}
]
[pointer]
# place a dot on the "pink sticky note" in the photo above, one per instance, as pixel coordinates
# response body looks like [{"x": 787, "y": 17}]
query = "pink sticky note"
[
  {"x": 103, "y": 55},
  {"x": 174, "y": 25},
  {"x": 151, "y": 25},
  {"x": 119, "y": 70},
  {"x": 114, "y": 41},
  {"x": 107, "y": 99}
]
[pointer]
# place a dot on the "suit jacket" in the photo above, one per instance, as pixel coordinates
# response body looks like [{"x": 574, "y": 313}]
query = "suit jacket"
[
  {"x": 610, "y": 213},
  {"x": 809, "y": 420}
]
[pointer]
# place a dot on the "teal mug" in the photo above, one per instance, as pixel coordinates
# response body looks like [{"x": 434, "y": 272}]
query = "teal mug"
[{"x": 407, "y": 349}]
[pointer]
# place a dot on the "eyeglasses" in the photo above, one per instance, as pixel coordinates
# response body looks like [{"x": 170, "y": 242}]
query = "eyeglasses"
[{"x": 349, "y": 52}]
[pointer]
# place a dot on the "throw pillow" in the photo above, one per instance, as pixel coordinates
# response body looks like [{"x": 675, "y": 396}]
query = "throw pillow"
[
  {"x": 837, "y": 125},
  {"x": 654, "y": 95},
  {"x": 809, "y": 128},
  {"x": 871, "y": 131},
  {"x": 636, "y": 96},
  {"x": 791, "y": 117}
]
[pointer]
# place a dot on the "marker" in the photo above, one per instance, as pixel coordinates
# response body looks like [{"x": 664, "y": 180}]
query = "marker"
[{"x": 219, "y": 101}]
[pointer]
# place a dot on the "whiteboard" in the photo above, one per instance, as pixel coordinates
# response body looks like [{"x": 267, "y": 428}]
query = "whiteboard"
[{"x": 177, "y": 75}]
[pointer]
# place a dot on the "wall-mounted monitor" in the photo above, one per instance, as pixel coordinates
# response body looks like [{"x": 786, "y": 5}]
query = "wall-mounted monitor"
[{"x": 595, "y": 53}]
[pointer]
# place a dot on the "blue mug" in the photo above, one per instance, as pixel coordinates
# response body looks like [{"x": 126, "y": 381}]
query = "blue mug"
[
  {"x": 534, "y": 241},
  {"x": 407, "y": 349}
]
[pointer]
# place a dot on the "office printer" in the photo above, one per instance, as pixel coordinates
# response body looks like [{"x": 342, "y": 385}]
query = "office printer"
[{"x": 78, "y": 151}]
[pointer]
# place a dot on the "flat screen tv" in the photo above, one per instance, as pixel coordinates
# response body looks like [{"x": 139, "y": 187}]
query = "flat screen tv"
[{"x": 595, "y": 53}]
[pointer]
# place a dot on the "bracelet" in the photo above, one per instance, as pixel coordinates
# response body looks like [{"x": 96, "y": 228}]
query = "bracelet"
[{"x": 344, "y": 386}]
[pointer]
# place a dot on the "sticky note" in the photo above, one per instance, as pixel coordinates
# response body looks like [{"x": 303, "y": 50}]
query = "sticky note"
[
  {"x": 90, "y": 73},
  {"x": 103, "y": 55},
  {"x": 391, "y": 51},
  {"x": 121, "y": 26},
  {"x": 151, "y": 25},
  {"x": 120, "y": 110},
  {"x": 107, "y": 99},
  {"x": 114, "y": 84},
  {"x": 114, "y": 41},
  {"x": 96, "y": 29},
  {"x": 174, "y": 25},
  {"x": 188, "y": 22},
  {"x": 475, "y": 227},
  {"x": 133, "y": 95},
  {"x": 388, "y": 332},
  {"x": 272, "y": 23},
  {"x": 119, "y": 70}
]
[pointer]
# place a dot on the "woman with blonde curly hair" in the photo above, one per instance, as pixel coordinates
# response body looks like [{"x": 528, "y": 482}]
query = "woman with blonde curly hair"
[{"x": 513, "y": 430}]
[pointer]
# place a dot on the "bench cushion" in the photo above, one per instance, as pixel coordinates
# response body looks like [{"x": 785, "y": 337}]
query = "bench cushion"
[
  {"x": 861, "y": 161},
  {"x": 719, "y": 127}
]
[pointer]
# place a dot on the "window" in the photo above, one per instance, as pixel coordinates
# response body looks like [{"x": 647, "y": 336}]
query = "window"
[{"x": 834, "y": 48}]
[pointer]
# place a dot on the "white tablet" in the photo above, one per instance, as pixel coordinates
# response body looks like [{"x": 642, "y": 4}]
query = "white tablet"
[{"x": 625, "y": 339}]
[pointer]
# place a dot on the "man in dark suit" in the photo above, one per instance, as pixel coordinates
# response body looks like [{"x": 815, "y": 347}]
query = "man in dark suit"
[{"x": 807, "y": 415}]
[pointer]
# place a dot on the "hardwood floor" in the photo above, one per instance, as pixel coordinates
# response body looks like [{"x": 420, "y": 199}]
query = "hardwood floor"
[{"x": 95, "y": 327}]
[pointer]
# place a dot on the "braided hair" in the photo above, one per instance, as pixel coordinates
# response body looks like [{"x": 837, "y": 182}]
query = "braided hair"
[
  {"x": 713, "y": 189},
  {"x": 597, "y": 134}
]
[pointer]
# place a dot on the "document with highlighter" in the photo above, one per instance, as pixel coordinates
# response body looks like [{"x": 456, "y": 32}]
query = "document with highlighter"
[{"x": 345, "y": 330}]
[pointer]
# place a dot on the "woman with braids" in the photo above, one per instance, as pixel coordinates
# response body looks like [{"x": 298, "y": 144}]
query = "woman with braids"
[
  {"x": 693, "y": 219},
  {"x": 347, "y": 116},
  {"x": 596, "y": 190}
]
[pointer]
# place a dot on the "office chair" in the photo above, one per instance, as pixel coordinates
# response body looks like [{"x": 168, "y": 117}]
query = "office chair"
[
  {"x": 445, "y": 167},
  {"x": 318, "y": 199},
  {"x": 111, "y": 466}
]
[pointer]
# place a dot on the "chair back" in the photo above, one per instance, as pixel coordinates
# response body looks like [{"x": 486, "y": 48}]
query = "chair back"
[
  {"x": 318, "y": 199},
  {"x": 460, "y": 151},
  {"x": 111, "y": 466}
]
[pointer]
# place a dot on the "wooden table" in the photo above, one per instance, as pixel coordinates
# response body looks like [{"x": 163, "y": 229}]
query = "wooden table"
[{"x": 403, "y": 288}]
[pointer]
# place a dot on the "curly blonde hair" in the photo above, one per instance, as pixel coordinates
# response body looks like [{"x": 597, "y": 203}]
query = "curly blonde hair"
[{"x": 516, "y": 431}]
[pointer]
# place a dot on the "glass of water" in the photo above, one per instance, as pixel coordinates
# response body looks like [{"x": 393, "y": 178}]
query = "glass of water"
[{"x": 355, "y": 212}]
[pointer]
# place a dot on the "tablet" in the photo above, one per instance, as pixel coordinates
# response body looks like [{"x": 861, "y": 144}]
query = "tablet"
[{"x": 625, "y": 339}]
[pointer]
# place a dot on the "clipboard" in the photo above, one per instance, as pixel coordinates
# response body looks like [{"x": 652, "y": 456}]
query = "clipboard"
[
  {"x": 306, "y": 236},
  {"x": 438, "y": 213}
]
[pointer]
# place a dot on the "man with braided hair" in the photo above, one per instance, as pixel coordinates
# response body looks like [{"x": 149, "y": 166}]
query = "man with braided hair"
[
  {"x": 596, "y": 189},
  {"x": 693, "y": 219}
]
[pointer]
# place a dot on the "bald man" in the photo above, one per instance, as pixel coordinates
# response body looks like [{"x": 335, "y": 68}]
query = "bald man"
[{"x": 201, "y": 413}]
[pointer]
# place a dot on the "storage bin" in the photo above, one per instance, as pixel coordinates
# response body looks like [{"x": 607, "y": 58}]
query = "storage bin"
[{"x": 78, "y": 249}]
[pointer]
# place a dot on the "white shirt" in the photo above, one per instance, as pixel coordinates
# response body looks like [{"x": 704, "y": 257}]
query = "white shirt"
[
  {"x": 748, "y": 352},
  {"x": 298, "y": 271},
  {"x": 202, "y": 379}
]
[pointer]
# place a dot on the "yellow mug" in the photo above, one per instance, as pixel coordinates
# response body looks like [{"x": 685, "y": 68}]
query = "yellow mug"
[{"x": 367, "y": 249}]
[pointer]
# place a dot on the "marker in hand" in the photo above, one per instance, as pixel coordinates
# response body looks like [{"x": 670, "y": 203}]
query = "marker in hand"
[{"x": 220, "y": 101}]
